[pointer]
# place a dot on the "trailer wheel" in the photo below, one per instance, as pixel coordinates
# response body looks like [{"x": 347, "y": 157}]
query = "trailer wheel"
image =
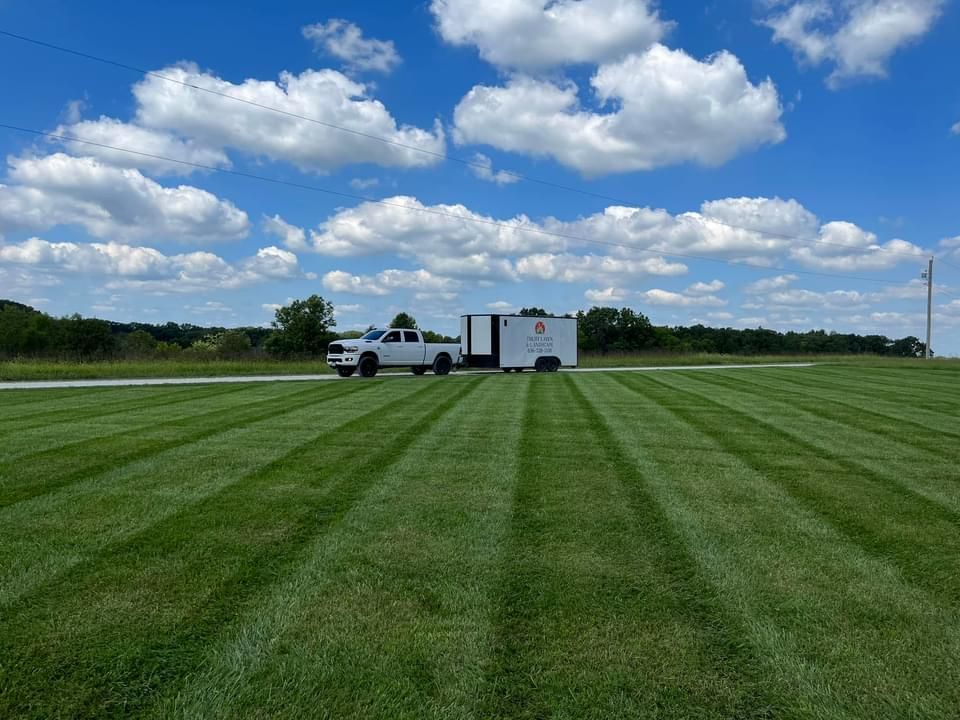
[
  {"x": 345, "y": 371},
  {"x": 541, "y": 365},
  {"x": 553, "y": 365},
  {"x": 368, "y": 366},
  {"x": 442, "y": 365},
  {"x": 418, "y": 370}
]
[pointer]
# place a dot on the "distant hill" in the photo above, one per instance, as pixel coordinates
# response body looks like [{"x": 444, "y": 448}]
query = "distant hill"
[{"x": 4, "y": 304}]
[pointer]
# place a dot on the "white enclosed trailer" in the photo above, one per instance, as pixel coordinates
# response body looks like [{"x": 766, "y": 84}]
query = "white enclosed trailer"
[{"x": 517, "y": 342}]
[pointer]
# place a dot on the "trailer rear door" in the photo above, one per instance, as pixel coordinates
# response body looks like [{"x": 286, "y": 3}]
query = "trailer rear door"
[{"x": 524, "y": 339}]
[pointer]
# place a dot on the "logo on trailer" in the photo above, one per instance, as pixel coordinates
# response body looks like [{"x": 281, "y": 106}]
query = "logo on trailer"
[{"x": 540, "y": 328}]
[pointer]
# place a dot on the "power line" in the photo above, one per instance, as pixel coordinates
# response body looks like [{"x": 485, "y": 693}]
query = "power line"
[
  {"x": 947, "y": 263},
  {"x": 414, "y": 148},
  {"x": 442, "y": 213}
]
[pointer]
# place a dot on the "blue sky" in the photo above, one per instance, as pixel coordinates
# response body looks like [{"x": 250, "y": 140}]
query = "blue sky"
[{"x": 778, "y": 163}]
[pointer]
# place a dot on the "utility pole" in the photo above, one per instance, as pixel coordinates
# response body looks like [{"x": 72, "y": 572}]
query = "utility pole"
[{"x": 928, "y": 276}]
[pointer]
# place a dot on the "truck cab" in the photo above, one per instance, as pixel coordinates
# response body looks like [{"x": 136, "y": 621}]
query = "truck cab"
[{"x": 392, "y": 347}]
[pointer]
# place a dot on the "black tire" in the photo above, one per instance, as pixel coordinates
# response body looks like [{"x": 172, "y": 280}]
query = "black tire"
[
  {"x": 368, "y": 366},
  {"x": 541, "y": 365},
  {"x": 442, "y": 365},
  {"x": 345, "y": 371},
  {"x": 418, "y": 370},
  {"x": 506, "y": 370},
  {"x": 554, "y": 365}
]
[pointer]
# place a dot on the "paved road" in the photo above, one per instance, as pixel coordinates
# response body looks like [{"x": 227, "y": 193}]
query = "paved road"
[{"x": 48, "y": 384}]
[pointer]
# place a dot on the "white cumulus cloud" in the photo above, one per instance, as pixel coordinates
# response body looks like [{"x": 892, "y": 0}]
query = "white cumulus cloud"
[
  {"x": 149, "y": 270},
  {"x": 589, "y": 268},
  {"x": 482, "y": 167},
  {"x": 109, "y": 131},
  {"x": 702, "y": 288},
  {"x": 325, "y": 95},
  {"x": 607, "y": 295},
  {"x": 292, "y": 236},
  {"x": 107, "y": 201},
  {"x": 538, "y": 34},
  {"x": 697, "y": 232},
  {"x": 387, "y": 281},
  {"x": 666, "y": 297},
  {"x": 857, "y": 36},
  {"x": 845, "y": 246},
  {"x": 952, "y": 245},
  {"x": 345, "y": 41},
  {"x": 834, "y": 299},
  {"x": 666, "y": 108},
  {"x": 364, "y": 183},
  {"x": 454, "y": 241},
  {"x": 445, "y": 239},
  {"x": 770, "y": 284}
]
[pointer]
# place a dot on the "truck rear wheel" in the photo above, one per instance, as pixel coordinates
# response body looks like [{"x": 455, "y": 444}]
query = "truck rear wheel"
[
  {"x": 442, "y": 365},
  {"x": 345, "y": 371},
  {"x": 368, "y": 366},
  {"x": 418, "y": 370}
]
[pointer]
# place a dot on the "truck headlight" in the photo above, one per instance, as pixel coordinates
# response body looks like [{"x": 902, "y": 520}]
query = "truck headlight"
[{"x": 351, "y": 349}]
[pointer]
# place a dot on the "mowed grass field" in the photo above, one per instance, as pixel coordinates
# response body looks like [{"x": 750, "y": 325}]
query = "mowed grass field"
[{"x": 764, "y": 543}]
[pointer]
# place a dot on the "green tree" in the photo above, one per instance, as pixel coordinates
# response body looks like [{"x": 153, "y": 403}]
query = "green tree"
[
  {"x": 404, "y": 320},
  {"x": 204, "y": 348},
  {"x": 633, "y": 331},
  {"x": 24, "y": 331},
  {"x": 167, "y": 350},
  {"x": 303, "y": 327},
  {"x": 434, "y": 337},
  {"x": 533, "y": 312},
  {"x": 233, "y": 344},
  {"x": 85, "y": 338},
  {"x": 907, "y": 347},
  {"x": 139, "y": 344},
  {"x": 605, "y": 329},
  {"x": 597, "y": 329}
]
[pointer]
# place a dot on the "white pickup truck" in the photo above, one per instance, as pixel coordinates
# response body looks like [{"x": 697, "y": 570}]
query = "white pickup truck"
[{"x": 391, "y": 347}]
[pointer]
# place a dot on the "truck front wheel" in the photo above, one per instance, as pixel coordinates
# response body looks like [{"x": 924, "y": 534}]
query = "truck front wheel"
[
  {"x": 368, "y": 366},
  {"x": 345, "y": 371},
  {"x": 442, "y": 365}
]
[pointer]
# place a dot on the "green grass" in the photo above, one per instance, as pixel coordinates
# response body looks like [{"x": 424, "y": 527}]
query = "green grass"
[
  {"x": 25, "y": 370},
  {"x": 624, "y": 360},
  {"x": 765, "y": 543}
]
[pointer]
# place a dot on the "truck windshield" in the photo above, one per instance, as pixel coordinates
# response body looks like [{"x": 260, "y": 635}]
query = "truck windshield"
[{"x": 373, "y": 335}]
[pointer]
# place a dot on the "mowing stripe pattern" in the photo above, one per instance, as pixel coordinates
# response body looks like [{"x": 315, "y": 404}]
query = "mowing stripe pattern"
[{"x": 746, "y": 544}]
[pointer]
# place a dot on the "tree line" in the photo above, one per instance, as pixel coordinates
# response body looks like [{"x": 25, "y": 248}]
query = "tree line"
[
  {"x": 301, "y": 329},
  {"x": 304, "y": 328},
  {"x": 604, "y": 330}
]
